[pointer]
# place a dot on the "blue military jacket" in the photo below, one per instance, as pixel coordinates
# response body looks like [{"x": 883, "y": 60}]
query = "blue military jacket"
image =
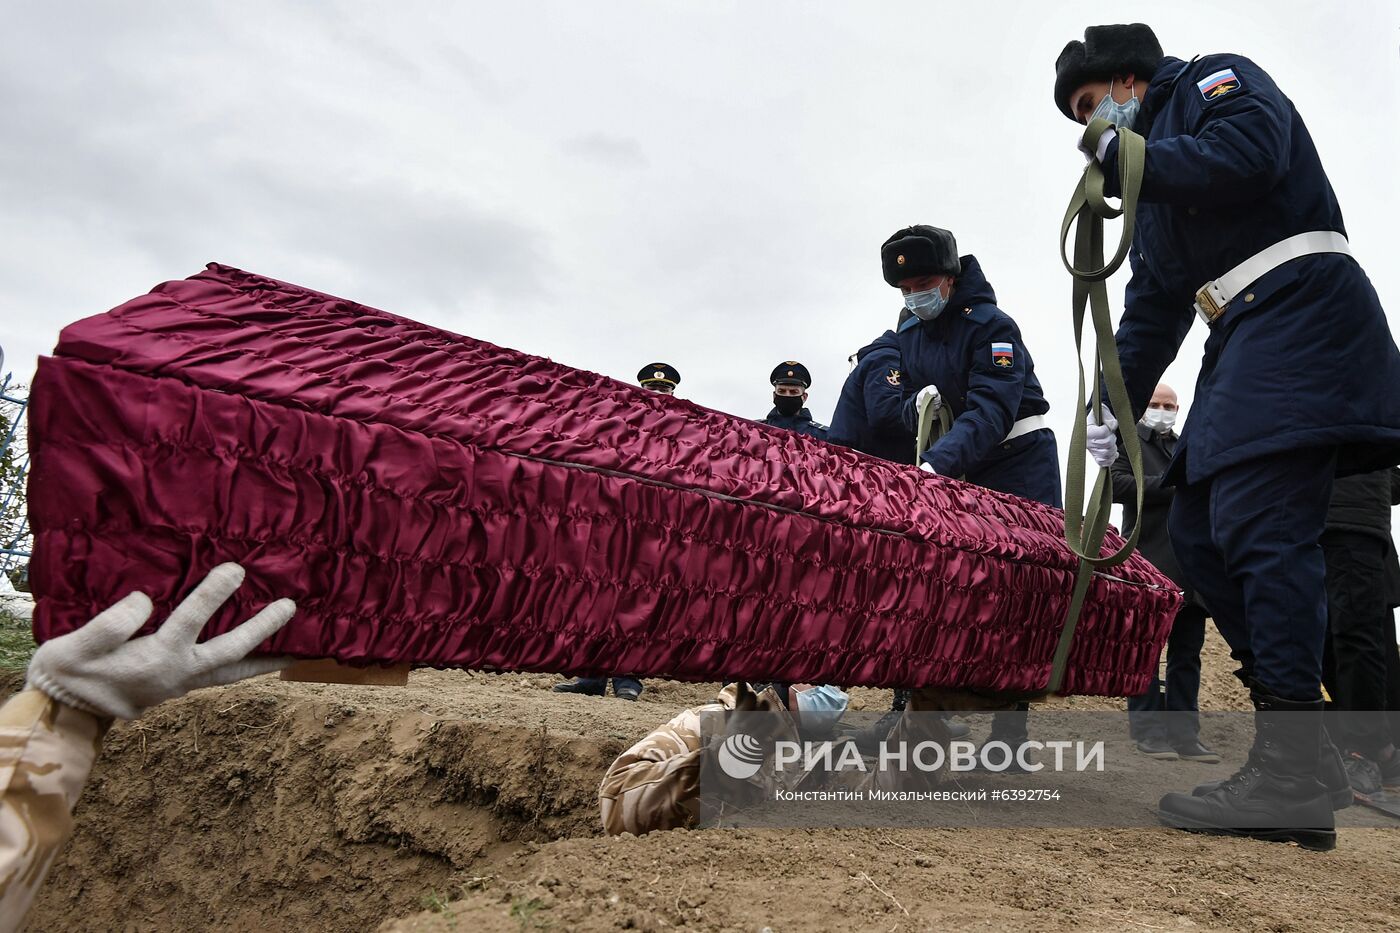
[
  {"x": 1304, "y": 357},
  {"x": 869, "y": 414},
  {"x": 973, "y": 353},
  {"x": 801, "y": 422}
]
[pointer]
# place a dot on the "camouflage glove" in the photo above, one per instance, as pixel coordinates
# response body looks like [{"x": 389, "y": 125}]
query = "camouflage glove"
[{"x": 98, "y": 669}]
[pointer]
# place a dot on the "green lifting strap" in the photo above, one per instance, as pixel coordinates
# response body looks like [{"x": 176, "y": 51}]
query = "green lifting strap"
[
  {"x": 927, "y": 435},
  {"x": 1085, "y": 529}
]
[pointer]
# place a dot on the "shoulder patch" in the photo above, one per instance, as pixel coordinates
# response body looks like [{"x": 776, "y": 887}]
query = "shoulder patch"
[
  {"x": 1217, "y": 85},
  {"x": 1002, "y": 355},
  {"x": 892, "y": 377}
]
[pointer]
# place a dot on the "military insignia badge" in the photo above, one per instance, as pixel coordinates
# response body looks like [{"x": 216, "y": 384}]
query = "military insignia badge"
[
  {"x": 658, "y": 375},
  {"x": 1218, "y": 84},
  {"x": 899, "y": 260},
  {"x": 892, "y": 377},
  {"x": 1001, "y": 355}
]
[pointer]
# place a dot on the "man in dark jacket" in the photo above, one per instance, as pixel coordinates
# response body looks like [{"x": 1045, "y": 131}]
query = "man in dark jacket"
[
  {"x": 1177, "y": 733},
  {"x": 790, "y": 381},
  {"x": 869, "y": 414},
  {"x": 869, "y": 417},
  {"x": 1361, "y": 628},
  {"x": 1237, "y": 222},
  {"x": 962, "y": 352}
]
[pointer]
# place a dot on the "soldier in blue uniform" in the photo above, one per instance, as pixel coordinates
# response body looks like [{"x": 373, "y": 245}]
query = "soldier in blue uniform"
[
  {"x": 790, "y": 381},
  {"x": 869, "y": 417},
  {"x": 869, "y": 414},
  {"x": 1238, "y": 224},
  {"x": 662, "y": 378},
  {"x": 959, "y": 350}
]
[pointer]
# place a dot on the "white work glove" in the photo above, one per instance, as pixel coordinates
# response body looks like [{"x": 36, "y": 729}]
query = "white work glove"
[
  {"x": 924, "y": 465},
  {"x": 928, "y": 395},
  {"x": 1109, "y": 135},
  {"x": 1103, "y": 446},
  {"x": 98, "y": 669}
]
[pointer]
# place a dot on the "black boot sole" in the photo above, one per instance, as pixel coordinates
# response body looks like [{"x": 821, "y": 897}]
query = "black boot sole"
[{"x": 1316, "y": 840}]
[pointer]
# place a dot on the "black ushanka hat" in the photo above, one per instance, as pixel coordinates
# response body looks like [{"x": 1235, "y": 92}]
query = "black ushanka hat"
[
  {"x": 918, "y": 251},
  {"x": 1130, "y": 48}
]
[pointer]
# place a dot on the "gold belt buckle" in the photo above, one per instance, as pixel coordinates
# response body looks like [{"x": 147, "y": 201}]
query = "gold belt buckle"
[{"x": 1206, "y": 305}]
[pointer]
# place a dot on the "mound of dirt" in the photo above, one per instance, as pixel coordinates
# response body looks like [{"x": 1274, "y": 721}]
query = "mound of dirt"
[
  {"x": 311, "y": 807},
  {"x": 468, "y": 801}
]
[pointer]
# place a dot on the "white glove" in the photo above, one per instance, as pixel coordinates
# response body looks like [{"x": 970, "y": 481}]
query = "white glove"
[
  {"x": 97, "y": 668},
  {"x": 924, "y": 465},
  {"x": 1109, "y": 135},
  {"x": 1102, "y": 444},
  {"x": 928, "y": 395}
]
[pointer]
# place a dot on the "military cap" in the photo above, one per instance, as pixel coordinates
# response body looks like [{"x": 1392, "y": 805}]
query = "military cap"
[
  {"x": 918, "y": 251},
  {"x": 1106, "y": 51},
  {"x": 791, "y": 373},
  {"x": 658, "y": 373}
]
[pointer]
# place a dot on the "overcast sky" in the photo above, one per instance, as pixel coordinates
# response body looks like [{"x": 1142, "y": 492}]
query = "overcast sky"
[{"x": 609, "y": 183}]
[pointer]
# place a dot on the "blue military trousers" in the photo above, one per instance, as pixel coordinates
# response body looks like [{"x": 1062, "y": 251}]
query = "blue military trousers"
[{"x": 1248, "y": 540}]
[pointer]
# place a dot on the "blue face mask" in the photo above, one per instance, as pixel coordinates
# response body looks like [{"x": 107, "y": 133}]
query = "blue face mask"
[
  {"x": 820, "y": 707},
  {"x": 1124, "y": 115},
  {"x": 926, "y": 305}
]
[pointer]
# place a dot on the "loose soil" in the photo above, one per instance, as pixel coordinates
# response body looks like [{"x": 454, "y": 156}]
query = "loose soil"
[{"x": 467, "y": 802}]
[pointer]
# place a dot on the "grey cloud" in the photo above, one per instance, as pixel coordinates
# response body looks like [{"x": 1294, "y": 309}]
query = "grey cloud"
[
  {"x": 436, "y": 245},
  {"x": 613, "y": 151},
  {"x": 148, "y": 162},
  {"x": 478, "y": 76}
]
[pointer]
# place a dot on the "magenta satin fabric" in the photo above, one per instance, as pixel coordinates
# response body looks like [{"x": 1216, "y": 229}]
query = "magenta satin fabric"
[{"x": 431, "y": 498}]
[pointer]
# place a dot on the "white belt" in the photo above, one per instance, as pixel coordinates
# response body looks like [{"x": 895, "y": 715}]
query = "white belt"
[
  {"x": 1213, "y": 297},
  {"x": 1025, "y": 426}
]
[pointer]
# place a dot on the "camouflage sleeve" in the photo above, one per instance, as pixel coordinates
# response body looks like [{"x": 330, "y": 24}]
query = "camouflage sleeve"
[
  {"x": 46, "y": 753},
  {"x": 655, "y": 784}
]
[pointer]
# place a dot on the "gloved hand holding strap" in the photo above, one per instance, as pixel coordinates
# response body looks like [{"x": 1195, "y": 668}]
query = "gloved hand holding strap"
[{"x": 1084, "y": 530}]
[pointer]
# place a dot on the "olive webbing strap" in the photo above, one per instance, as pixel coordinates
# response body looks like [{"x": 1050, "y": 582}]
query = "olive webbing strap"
[
  {"x": 1085, "y": 529},
  {"x": 927, "y": 435}
]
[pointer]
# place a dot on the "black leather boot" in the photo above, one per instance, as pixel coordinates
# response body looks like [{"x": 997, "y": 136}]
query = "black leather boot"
[
  {"x": 1330, "y": 771},
  {"x": 1331, "y": 774},
  {"x": 1276, "y": 796}
]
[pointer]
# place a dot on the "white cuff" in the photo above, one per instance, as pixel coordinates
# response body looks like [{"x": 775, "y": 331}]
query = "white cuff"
[
  {"x": 1108, "y": 136},
  {"x": 38, "y": 680}
]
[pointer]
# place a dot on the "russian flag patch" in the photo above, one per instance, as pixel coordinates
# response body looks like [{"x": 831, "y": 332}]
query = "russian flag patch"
[
  {"x": 1219, "y": 84},
  {"x": 1001, "y": 354}
]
